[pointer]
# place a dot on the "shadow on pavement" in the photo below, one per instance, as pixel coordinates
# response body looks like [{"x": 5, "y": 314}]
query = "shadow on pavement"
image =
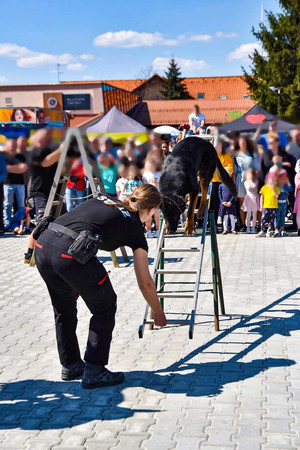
[{"x": 42, "y": 404}]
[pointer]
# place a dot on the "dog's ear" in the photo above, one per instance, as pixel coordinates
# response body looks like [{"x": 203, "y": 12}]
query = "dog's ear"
[
  {"x": 172, "y": 201},
  {"x": 181, "y": 202}
]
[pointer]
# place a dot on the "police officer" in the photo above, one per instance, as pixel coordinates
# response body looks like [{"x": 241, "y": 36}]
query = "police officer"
[{"x": 118, "y": 224}]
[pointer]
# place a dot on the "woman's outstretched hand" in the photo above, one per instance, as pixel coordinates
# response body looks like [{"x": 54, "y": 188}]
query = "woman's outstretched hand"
[{"x": 160, "y": 319}]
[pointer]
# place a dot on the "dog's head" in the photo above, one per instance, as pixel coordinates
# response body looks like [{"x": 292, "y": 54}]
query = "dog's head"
[{"x": 172, "y": 207}]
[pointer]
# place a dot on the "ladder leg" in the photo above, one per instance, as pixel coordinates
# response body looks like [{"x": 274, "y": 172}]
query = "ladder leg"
[
  {"x": 124, "y": 254},
  {"x": 114, "y": 259},
  {"x": 162, "y": 277},
  {"x": 151, "y": 326},
  {"x": 219, "y": 281},
  {"x": 214, "y": 268}
]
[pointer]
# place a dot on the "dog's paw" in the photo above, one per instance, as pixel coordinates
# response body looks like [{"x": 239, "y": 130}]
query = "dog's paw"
[
  {"x": 200, "y": 213},
  {"x": 189, "y": 228}
]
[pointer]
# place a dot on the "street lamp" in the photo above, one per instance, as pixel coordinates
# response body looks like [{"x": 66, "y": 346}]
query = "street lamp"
[{"x": 276, "y": 89}]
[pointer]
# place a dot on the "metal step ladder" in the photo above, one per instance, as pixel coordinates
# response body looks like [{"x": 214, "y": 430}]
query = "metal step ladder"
[
  {"x": 159, "y": 272},
  {"x": 57, "y": 192}
]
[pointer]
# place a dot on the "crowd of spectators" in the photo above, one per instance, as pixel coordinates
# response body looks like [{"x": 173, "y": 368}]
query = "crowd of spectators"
[{"x": 264, "y": 168}]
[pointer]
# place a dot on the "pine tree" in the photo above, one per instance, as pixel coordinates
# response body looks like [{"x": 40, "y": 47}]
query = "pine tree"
[
  {"x": 277, "y": 65},
  {"x": 174, "y": 88}
]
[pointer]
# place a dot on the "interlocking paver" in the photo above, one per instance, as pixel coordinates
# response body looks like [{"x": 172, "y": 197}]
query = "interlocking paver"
[{"x": 235, "y": 389}]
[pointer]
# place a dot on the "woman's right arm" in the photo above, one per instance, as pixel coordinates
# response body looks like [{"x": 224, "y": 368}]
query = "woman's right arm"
[{"x": 147, "y": 286}]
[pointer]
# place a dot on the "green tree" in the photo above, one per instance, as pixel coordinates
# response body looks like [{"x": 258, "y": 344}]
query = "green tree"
[
  {"x": 277, "y": 64},
  {"x": 174, "y": 88}
]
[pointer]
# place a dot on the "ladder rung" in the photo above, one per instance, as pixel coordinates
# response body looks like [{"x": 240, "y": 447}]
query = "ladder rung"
[
  {"x": 174, "y": 321},
  {"x": 173, "y": 272},
  {"x": 56, "y": 202},
  {"x": 164, "y": 249},
  {"x": 169, "y": 295}
]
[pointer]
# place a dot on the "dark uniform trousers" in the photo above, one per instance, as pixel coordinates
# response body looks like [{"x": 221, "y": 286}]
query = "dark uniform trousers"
[{"x": 66, "y": 280}]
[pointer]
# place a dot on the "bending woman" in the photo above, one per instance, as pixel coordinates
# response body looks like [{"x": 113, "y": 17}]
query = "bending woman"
[{"x": 118, "y": 224}]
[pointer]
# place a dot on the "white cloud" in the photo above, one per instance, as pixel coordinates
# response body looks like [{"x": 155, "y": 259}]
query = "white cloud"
[
  {"x": 28, "y": 58},
  {"x": 243, "y": 52},
  {"x": 78, "y": 67},
  {"x": 44, "y": 59},
  {"x": 88, "y": 77},
  {"x": 3, "y": 79},
  {"x": 186, "y": 65},
  {"x": 13, "y": 50},
  {"x": 131, "y": 39},
  {"x": 200, "y": 37},
  {"x": 86, "y": 57},
  {"x": 222, "y": 35}
]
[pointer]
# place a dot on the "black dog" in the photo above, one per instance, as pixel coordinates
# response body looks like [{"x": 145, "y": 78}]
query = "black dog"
[{"x": 190, "y": 158}]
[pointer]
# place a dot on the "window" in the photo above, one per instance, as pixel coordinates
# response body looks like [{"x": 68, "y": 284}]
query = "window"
[
  {"x": 200, "y": 95},
  {"x": 223, "y": 97},
  {"x": 246, "y": 96},
  {"x": 8, "y": 100}
]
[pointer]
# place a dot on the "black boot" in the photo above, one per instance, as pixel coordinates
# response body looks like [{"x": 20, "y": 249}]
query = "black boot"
[
  {"x": 72, "y": 371},
  {"x": 98, "y": 376}
]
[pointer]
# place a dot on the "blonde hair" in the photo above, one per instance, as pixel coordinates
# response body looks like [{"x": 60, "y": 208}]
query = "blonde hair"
[
  {"x": 144, "y": 197},
  {"x": 273, "y": 135}
]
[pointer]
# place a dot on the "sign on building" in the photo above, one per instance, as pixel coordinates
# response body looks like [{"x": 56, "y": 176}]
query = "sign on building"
[{"x": 76, "y": 101}]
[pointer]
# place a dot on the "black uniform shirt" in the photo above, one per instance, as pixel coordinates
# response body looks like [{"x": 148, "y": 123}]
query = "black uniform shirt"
[
  {"x": 13, "y": 160},
  {"x": 117, "y": 226},
  {"x": 41, "y": 177}
]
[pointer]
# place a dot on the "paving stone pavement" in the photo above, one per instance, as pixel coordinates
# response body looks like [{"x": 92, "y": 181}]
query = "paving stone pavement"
[{"x": 234, "y": 389}]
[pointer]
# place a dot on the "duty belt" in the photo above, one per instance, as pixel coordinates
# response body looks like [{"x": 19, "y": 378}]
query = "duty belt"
[{"x": 64, "y": 230}]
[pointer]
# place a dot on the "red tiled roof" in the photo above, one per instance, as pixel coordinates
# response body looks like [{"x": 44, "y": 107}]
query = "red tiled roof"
[
  {"x": 175, "y": 112},
  {"x": 127, "y": 85},
  {"x": 81, "y": 119},
  {"x": 234, "y": 87}
]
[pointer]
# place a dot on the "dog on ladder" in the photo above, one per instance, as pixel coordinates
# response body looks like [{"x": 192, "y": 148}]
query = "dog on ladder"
[{"x": 191, "y": 158}]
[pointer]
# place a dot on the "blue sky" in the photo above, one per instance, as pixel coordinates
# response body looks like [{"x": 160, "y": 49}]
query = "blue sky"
[{"x": 92, "y": 39}]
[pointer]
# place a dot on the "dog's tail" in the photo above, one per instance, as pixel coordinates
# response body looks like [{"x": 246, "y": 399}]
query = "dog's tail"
[{"x": 225, "y": 178}]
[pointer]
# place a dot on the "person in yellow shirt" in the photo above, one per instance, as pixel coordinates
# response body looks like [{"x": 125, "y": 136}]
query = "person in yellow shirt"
[
  {"x": 269, "y": 204},
  {"x": 227, "y": 163}
]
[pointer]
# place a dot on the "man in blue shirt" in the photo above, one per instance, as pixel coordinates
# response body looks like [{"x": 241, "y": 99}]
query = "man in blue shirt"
[{"x": 264, "y": 140}]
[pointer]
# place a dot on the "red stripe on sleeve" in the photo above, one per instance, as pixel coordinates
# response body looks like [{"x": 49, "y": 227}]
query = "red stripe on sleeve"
[
  {"x": 63, "y": 255},
  {"x": 103, "y": 279}
]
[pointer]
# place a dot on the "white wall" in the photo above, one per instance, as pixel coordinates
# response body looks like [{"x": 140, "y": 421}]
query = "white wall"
[{"x": 34, "y": 97}]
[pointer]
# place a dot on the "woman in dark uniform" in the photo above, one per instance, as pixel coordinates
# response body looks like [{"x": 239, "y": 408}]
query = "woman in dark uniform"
[{"x": 118, "y": 224}]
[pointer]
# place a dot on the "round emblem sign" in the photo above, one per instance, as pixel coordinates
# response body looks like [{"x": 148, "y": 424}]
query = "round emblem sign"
[{"x": 52, "y": 102}]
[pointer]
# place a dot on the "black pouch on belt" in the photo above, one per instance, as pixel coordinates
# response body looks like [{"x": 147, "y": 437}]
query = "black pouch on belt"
[
  {"x": 42, "y": 226},
  {"x": 85, "y": 246}
]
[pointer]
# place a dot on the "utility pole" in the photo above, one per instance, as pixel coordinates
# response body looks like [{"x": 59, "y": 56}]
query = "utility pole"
[
  {"x": 262, "y": 14},
  {"x": 58, "y": 72}
]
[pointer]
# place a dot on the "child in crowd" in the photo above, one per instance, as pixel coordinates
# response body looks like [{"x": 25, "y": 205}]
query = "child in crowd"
[
  {"x": 227, "y": 208},
  {"x": 76, "y": 185},
  {"x": 150, "y": 173},
  {"x": 123, "y": 173},
  {"x": 108, "y": 171},
  {"x": 151, "y": 176},
  {"x": 130, "y": 183},
  {"x": 297, "y": 195},
  {"x": 20, "y": 222},
  {"x": 285, "y": 188},
  {"x": 251, "y": 201},
  {"x": 269, "y": 204}
]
